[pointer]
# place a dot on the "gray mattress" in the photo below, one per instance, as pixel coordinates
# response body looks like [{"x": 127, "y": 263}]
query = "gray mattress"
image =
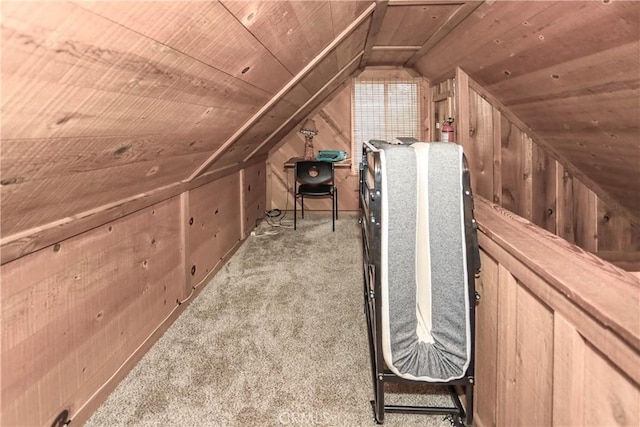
[{"x": 425, "y": 300}]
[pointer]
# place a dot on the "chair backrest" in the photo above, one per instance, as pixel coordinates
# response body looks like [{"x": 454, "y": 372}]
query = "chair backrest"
[{"x": 314, "y": 172}]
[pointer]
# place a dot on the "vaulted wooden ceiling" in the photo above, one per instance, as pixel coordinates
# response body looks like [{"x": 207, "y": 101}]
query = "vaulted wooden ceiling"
[{"x": 108, "y": 101}]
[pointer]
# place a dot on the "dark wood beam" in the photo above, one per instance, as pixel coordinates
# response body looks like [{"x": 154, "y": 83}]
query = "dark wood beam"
[
  {"x": 374, "y": 29},
  {"x": 424, "y": 2},
  {"x": 395, "y": 48}
]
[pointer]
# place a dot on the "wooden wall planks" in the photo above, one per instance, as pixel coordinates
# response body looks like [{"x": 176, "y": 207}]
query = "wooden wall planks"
[
  {"x": 73, "y": 312},
  {"x": 442, "y": 95},
  {"x": 534, "y": 359},
  {"x": 592, "y": 71},
  {"x": 577, "y": 128},
  {"x": 83, "y": 311},
  {"x": 310, "y": 107},
  {"x": 385, "y": 57},
  {"x": 157, "y": 87},
  {"x": 486, "y": 360},
  {"x": 543, "y": 191},
  {"x": 576, "y": 211},
  {"x": 562, "y": 22},
  {"x": 480, "y": 144},
  {"x": 506, "y": 346},
  {"x": 568, "y": 388},
  {"x": 254, "y": 190},
  {"x": 214, "y": 225},
  {"x": 345, "y": 12},
  {"x": 334, "y": 133},
  {"x": 545, "y": 357},
  {"x": 129, "y": 114},
  {"x": 516, "y": 155},
  {"x": 615, "y": 232},
  {"x": 245, "y": 144},
  {"x": 483, "y": 44},
  {"x": 562, "y": 72},
  {"x": 483, "y": 26},
  {"x": 609, "y": 385},
  {"x": 516, "y": 172},
  {"x": 294, "y": 44}
]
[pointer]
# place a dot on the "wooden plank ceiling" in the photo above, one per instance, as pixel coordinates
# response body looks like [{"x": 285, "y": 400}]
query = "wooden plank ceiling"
[
  {"x": 570, "y": 70},
  {"x": 105, "y": 101}
]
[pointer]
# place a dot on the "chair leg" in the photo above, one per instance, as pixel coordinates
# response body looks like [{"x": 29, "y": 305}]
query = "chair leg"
[
  {"x": 302, "y": 204},
  {"x": 335, "y": 191},
  {"x": 295, "y": 210},
  {"x": 333, "y": 213}
]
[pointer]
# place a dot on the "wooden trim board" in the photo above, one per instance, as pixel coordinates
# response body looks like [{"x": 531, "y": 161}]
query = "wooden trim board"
[
  {"x": 635, "y": 216},
  {"x": 568, "y": 269},
  {"x": 297, "y": 78},
  {"x": 374, "y": 29},
  {"x": 18, "y": 245}
]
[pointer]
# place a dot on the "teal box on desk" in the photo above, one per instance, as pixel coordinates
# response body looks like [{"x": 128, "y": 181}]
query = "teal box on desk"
[{"x": 331, "y": 155}]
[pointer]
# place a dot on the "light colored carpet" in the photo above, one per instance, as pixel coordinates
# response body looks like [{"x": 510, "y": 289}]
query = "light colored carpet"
[{"x": 278, "y": 337}]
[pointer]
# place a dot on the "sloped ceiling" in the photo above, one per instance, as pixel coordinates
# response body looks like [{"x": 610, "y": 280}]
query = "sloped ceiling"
[
  {"x": 570, "y": 70},
  {"x": 107, "y": 101}
]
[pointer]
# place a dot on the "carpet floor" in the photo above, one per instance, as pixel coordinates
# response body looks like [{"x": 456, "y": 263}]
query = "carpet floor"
[{"x": 278, "y": 337}]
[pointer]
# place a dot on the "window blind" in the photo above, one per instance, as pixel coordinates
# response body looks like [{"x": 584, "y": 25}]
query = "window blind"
[{"x": 384, "y": 109}]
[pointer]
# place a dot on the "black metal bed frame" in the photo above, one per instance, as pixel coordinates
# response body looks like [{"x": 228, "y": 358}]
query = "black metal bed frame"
[{"x": 370, "y": 211}]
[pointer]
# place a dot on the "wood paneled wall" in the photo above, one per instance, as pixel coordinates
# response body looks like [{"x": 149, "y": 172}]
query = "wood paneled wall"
[
  {"x": 254, "y": 192},
  {"x": 108, "y": 102},
  {"x": 214, "y": 225},
  {"x": 334, "y": 133},
  {"x": 334, "y": 122},
  {"x": 514, "y": 171},
  {"x": 552, "y": 348},
  {"x": 569, "y": 70},
  {"x": 72, "y": 313},
  {"x": 77, "y": 315}
]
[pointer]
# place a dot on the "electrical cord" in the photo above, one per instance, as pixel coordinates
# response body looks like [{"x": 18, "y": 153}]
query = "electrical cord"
[
  {"x": 276, "y": 214},
  {"x": 275, "y": 220}
]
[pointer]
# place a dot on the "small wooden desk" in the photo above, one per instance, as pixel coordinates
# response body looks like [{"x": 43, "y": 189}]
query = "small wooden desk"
[{"x": 291, "y": 163}]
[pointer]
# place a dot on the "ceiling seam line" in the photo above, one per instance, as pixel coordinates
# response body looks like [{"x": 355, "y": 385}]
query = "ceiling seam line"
[
  {"x": 257, "y": 39},
  {"x": 295, "y": 80},
  {"x": 306, "y": 104},
  {"x": 176, "y": 50}
]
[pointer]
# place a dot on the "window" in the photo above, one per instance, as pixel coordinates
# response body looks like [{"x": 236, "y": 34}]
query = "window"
[{"x": 384, "y": 109}]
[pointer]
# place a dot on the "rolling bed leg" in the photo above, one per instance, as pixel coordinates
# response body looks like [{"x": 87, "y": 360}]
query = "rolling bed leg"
[
  {"x": 468, "y": 421},
  {"x": 378, "y": 408}
]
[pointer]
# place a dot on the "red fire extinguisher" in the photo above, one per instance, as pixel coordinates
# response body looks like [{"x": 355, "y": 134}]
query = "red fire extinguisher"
[{"x": 447, "y": 130}]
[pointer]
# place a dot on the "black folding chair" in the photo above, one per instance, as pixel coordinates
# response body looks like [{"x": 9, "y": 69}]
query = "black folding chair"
[{"x": 315, "y": 179}]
